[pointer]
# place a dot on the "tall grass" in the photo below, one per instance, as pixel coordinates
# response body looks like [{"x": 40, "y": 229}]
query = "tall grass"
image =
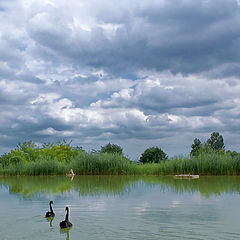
[
  {"x": 204, "y": 164},
  {"x": 102, "y": 164},
  {"x": 52, "y": 167},
  {"x": 84, "y": 163}
]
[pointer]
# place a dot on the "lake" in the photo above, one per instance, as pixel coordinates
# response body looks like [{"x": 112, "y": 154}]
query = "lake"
[{"x": 122, "y": 207}]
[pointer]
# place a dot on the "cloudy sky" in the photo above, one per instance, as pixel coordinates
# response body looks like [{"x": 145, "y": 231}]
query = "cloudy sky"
[{"x": 134, "y": 73}]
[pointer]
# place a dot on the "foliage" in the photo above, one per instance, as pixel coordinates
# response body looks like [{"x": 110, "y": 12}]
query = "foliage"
[
  {"x": 58, "y": 158},
  {"x": 112, "y": 148},
  {"x": 205, "y": 149},
  {"x": 196, "y": 147},
  {"x": 153, "y": 155},
  {"x": 52, "y": 159},
  {"x": 216, "y": 142},
  {"x": 28, "y": 156},
  {"x": 213, "y": 144},
  {"x": 233, "y": 154},
  {"x": 63, "y": 152}
]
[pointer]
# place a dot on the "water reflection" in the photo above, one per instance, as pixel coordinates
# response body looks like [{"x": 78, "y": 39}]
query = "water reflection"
[
  {"x": 66, "y": 232},
  {"x": 70, "y": 177},
  {"x": 50, "y": 220},
  {"x": 30, "y": 186}
]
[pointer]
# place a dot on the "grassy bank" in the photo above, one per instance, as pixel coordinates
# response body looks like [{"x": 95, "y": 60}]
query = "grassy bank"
[
  {"x": 205, "y": 164},
  {"x": 57, "y": 159},
  {"x": 113, "y": 164},
  {"x": 83, "y": 164}
]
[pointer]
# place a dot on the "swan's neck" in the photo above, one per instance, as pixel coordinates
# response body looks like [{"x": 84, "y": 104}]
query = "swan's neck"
[
  {"x": 51, "y": 210},
  {"x": 66, "y": 218}
]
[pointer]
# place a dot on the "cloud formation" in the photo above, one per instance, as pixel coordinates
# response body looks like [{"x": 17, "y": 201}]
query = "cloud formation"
[{"x": 133, "y": 73}]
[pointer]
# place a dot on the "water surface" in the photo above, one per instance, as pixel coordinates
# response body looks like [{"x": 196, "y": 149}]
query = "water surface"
[{"x": 123, "y": 207}]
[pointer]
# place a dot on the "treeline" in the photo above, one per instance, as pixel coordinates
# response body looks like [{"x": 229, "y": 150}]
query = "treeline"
[
  {"x": 207, "y": 158},
  {"x": 57, "y": 158}
]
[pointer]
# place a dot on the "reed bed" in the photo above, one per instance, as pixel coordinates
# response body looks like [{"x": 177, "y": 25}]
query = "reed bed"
[
  {"x": 204, "y": 164},
  {"x": 84, "y": 163},
  {"x": 102, "y": 164}
]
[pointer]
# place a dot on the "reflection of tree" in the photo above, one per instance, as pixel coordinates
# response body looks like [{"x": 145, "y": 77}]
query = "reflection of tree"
[
  {"x": 107, "y": 185},
  {"x": 208, "y": 185},
  {"x": 27, "y": 186},
  {"x": 30, "y": 186}
]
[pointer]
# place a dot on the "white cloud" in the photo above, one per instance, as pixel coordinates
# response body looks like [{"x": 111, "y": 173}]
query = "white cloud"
[{"x": 123, "y": 71}]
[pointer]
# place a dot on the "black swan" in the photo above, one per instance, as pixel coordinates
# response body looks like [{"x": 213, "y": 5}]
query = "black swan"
[
  {"x": 51, "y": 213},
  {"x": 66, "y": 223}
]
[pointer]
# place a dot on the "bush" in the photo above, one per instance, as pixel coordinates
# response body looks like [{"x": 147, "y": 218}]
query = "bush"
[
  {"x": 112, "y": 148},
  {"x": 153, "y": 155}
]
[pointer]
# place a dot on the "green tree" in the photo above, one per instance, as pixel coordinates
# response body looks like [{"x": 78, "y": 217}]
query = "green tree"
[
  {"x": 153, "y": 155},
  {"x": 62, "y": 151},
  {"x": 29, "y": 149},
  {"x": 196, "y": 147},
  {"x": 206, "y": 148},
  {"x": 112, "y": 148},
  {"x": 233, "y": 154},
  {"x": 216, "y": 142}
]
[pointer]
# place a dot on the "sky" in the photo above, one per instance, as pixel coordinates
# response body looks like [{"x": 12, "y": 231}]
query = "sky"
[{"x": 135, "y": 73}]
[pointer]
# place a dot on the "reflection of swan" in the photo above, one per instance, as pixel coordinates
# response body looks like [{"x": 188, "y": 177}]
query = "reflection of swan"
[
  {"x": 71, "y": 178},
  {"x": 50, "y": 220},
  {"x": 65, "y": 230},
  {"x": 66, "y": 223},
  {"x": 51, "y": 213},
  {"x": 70, "y": 174}
]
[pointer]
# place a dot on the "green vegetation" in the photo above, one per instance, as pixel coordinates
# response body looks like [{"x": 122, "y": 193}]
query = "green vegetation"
[
  {"x": 153, "y": 155},
  {"x": 213, "y": 145},
  {"x": 112, "y": 148},
  {"x": 209, "y": 158},
  {"x": 53, "y": 159}
]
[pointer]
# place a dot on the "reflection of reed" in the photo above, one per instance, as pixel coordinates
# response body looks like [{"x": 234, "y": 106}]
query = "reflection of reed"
[
  {"x": 206, "y": 185},
  {"x": 27, "y": 186}
]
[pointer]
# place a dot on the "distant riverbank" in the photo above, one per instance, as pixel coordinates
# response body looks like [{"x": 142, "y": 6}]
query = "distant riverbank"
[{"x": 84, "y": 163}]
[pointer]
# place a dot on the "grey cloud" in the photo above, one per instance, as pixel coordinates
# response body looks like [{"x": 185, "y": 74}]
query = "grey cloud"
[
  {"x": 188, "y": 37},
  {"x": 95, "y": 59},
  {"x": 156, "y": 97}
]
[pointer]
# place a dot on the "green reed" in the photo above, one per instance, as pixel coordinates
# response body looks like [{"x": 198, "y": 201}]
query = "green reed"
[
  {"x": 84, "y": 163},
  {"x": 205, "y": 164},
  {"x": 102, "y": 164}
]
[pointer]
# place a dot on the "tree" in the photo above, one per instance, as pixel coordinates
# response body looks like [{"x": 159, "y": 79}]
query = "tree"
[
  {"x": 233, "y": 154},
  {"x": 206, "y": 148},
  {"x": 196, "y": 147},
  {"x": 216, "y": 142},
  {"x": 112, "y": 148},
  {"x": 153, "y": 155}
]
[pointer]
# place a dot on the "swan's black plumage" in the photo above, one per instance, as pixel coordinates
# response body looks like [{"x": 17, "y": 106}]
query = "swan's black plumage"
[
  {"x": 50, "y": 213},
  {"x": 66, "y": 223}
]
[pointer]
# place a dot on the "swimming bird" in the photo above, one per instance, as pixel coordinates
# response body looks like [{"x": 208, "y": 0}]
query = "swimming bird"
[
  {"x": 50, "y": 213},
  {"x": 65, "y": 223},
  {"x": 70, "y": 174}
]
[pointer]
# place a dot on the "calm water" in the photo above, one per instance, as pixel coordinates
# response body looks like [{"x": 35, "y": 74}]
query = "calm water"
[{"x": 121, "y": 207}]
